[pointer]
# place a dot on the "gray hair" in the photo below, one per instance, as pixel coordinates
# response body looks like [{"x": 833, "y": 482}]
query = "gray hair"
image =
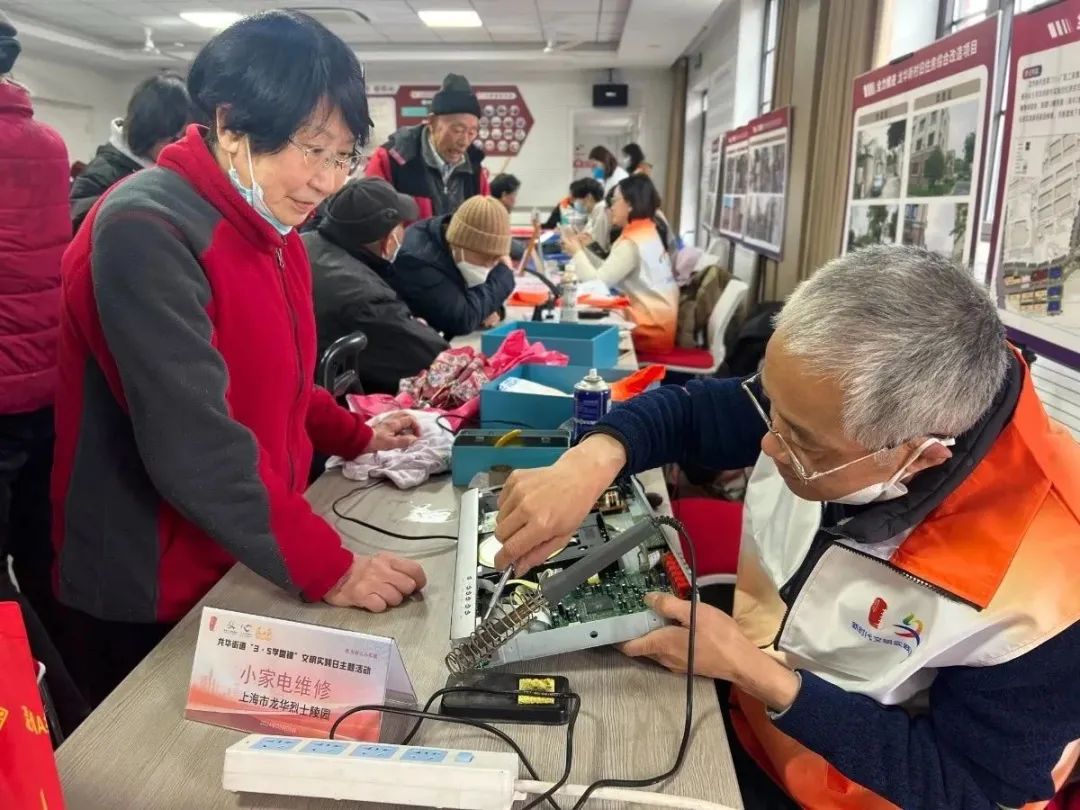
[{"x": 914, "y": 340}]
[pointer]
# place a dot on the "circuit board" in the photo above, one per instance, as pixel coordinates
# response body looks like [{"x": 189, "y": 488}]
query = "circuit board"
[
  {"x": 617, "y": 594},
  {"x": 608, "y": 609}
]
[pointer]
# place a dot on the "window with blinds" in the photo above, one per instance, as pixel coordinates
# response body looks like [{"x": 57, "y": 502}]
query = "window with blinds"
[{"x": 1058, "y": 387}]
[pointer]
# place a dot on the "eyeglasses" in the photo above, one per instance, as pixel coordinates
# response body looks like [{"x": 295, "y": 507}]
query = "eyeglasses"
[
  {"x": 796, "y": 464},
  {"x": 339, "y": 164}
]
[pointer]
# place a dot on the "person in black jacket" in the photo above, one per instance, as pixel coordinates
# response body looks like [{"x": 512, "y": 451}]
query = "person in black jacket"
[
  {"x": 157, "y": 114},
  {"x": 453, "y": 271},
  {"x": 350, "y": 255}
]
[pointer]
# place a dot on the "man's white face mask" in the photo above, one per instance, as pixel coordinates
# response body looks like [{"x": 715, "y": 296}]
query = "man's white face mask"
[
  {"x": 393, "y": 251},
  {"x": 894, "y": 487}
]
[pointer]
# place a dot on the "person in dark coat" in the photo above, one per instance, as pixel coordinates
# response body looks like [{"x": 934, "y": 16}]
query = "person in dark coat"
[
  {"x": 350, "y": 253},
  {"x": 157, "y": 113},
  {"x": 453, "y": 271},
  {"x": 437, "y": 162}
]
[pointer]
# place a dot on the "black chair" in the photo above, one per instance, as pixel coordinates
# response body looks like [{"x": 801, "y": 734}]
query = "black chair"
[{"x": 339, "y": 366}]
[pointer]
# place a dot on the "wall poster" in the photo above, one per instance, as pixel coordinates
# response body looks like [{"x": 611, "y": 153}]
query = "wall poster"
[
  {"x": 918, "y": 146},
  {"x": 755, "y": 177},
  {"x": 1035, "y": 249}
]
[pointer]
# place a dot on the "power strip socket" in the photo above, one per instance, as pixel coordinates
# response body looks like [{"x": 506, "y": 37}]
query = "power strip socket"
[{"x": 371, "y": 772}]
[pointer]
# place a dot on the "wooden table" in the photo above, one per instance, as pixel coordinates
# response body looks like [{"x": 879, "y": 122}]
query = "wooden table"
[{"x": 137, "y": 750}]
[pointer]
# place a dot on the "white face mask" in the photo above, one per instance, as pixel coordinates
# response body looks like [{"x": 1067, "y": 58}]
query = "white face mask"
[
  {"x": 474, "y": 274},
  {"x": 894, "y": 487},
  {"x": 395, "y": 251},
  {"x": 254, "y": 195}
]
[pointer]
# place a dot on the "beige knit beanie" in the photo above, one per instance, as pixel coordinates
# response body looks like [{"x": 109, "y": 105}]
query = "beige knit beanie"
[{"x": 481, "y": 224}]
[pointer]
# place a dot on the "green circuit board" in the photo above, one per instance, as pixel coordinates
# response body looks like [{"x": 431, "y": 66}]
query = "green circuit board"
[{"x": 618, "y": 594}]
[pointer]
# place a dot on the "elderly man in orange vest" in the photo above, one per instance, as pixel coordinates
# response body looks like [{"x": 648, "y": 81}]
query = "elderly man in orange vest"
[{"x": 906, "y": 629}]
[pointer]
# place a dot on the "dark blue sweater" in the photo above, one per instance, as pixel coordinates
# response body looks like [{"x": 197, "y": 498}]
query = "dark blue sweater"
[{"x": 992, "y": 734}]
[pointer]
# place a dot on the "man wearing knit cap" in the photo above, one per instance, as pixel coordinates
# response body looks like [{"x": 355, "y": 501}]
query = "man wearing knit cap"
[
  {"x": 437, "y": 162},
  {"x": 351, "y": 254},
  {"x": 453, "y": 272}
]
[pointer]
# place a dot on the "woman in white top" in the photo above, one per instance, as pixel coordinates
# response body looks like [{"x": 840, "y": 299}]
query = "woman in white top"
[
  {"x": 638, "y": 266},
  {"x": 606, "y": 168}
]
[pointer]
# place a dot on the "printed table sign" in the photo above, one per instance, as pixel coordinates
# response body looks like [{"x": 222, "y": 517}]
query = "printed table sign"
[{"x": 272, "y": 676}]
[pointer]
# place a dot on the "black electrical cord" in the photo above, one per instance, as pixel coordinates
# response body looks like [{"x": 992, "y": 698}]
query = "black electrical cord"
[
  {"x": 684, "y": 744},
  {"x": 334, "y": 507},
  {"x": 425, "y": 714}
]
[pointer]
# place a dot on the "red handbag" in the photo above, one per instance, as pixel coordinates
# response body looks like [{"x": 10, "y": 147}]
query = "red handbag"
[{"x": 28, "y": 777}]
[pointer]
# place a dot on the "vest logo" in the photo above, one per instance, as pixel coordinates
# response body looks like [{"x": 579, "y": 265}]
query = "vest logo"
[
  {"x": 911, "y": 628},
  {"x": 877, "y": 612},
  {"x": 909, "y": 631}
]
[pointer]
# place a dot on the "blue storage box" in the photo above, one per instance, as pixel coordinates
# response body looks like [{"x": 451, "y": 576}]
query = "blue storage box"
[
  {"x": 474, "y": 451},
  {"x": 505, "y": 409},
  {"x": 589, "y": 345}
]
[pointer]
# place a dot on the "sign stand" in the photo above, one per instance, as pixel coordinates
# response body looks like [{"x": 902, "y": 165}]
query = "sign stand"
[{"x": 272, "y": 676}]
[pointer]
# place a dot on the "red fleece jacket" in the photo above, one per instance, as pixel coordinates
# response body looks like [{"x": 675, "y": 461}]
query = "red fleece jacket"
[{"x": 185, "y": 434}]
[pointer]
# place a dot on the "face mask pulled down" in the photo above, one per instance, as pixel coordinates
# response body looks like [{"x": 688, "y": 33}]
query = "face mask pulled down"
[
  {"x": 254, "y": 195},
  {"x": 894, "y": 487}
]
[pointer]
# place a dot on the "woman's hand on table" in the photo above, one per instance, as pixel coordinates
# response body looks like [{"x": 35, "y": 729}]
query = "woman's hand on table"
[
  {"x": 395, "y": 432},
  {"x": 377, "y": 582},
  {"x": 492, "y": 320}
]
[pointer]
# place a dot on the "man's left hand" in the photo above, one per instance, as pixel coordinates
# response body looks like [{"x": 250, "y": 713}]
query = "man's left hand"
[
  {"x": 721, "y": 651},
  {"x": 397, "y": 431}
]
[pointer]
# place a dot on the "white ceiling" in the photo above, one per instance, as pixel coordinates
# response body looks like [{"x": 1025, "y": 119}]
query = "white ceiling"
[{"x": 587, "y": 33}]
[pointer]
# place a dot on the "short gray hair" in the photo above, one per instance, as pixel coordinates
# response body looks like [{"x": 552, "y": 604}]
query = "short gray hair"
[{"x": 914, "y": 340}]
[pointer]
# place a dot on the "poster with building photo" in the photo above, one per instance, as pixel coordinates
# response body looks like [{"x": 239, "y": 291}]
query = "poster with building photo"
[
  {"x": 736, "y": 180},
  {"x": 1035, "y": 246},
  {"x": 712, "y": 183},
  {"x": 918, "y": 146},
  {"x": 767, "y": 148}
]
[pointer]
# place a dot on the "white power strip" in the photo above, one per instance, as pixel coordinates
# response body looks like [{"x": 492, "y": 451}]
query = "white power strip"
[{"x": 372, "y": 772}]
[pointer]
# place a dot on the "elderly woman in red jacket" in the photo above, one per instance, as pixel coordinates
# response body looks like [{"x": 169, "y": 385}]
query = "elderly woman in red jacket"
[{"x": 187, "y": 348}]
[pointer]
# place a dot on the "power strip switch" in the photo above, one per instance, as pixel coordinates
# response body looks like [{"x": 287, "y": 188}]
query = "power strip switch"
[{"x": 371, "y": 772}]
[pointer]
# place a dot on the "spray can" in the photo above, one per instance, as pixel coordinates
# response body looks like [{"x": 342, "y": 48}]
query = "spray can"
[
  {"x": 592, "y": 398},
  {"x": 568, "y": 310}
]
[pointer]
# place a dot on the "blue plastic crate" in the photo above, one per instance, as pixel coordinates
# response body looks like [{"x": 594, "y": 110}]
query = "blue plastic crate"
[
  {"x": 506, "y": 409},
  {"x": 474, "y": 452},
  {"x": 589, "y": 345}
]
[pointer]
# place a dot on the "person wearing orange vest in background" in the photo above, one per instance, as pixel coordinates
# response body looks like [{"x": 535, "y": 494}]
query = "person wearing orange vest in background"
[
  {"x": 436, "y": 163},
  {"x": 906, "y": 626},
  {"x": 28, "y": 777},
  {"x": 638, "y": 266}
]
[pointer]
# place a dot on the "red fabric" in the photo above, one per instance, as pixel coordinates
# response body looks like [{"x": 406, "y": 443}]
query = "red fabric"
[
  {"x": 379, "y": 166},
  {"x": 1067, "y": 799},
  {"x": 28, "y": 775},
  {"x": 286, "y": 414},
  {"x": 35, "y": 228},
  {"x": 716, "y": 527},
  {"x": 452, "y": 385},
  {"x": 638, "y": 382},
  {"x": 690, "y": 358}
]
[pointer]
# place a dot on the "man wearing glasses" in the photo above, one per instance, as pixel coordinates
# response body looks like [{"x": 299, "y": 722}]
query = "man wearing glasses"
[{"x": 905, "y": 622}]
